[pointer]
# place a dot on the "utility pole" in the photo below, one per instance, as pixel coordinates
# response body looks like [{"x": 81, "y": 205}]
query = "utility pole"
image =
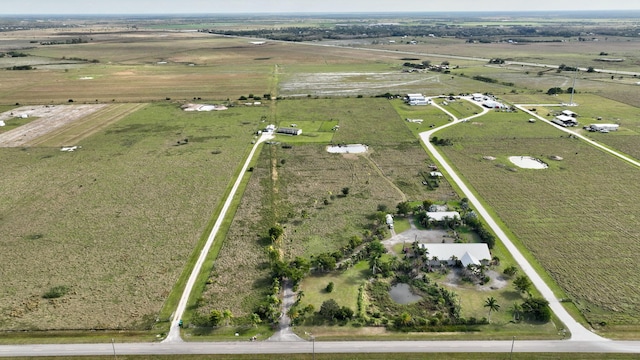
[
  {"x": 511, "y": 354},
  {"x": 573, "y": 87}
]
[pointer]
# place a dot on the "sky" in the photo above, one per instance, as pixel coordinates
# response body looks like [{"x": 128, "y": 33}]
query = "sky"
[{"x": 10, "y": 7}]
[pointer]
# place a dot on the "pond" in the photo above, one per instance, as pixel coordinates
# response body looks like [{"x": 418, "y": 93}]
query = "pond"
[
  {"x": 347, "y": 149},
  {"x": 401, "y": 293}
]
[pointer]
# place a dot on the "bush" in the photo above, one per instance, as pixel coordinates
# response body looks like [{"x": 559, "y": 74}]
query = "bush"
[
  {"x": 329, "y": 287},
  {"x": 56, "y": 292},
  {"x": 329, "y": 309}
]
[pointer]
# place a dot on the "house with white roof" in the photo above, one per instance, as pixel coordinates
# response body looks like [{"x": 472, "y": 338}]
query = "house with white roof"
[
  {"x": 417, "y": 99},
  {"x": 441, "y": 215},
  {"x": 468, "y": 254}
]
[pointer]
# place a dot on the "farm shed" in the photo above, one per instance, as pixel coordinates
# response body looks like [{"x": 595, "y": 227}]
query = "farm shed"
[
  {"x": 601, "y": 127},
  {"x": 569, "y": 113},
  {"x": 289, "y": 131},
  {"x": 441, "y": 215},
  {"x": 492, "y": 104},
  {"x": 565, "y": 120},
  {"x": 468, "y": 254}
]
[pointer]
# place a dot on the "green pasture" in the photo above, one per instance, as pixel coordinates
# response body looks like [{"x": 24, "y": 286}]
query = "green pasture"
[
  {"x": 430, "y": 115},
  {"x": 118, "y": 223},
  {"x": 460, "y": 108},
  {"x": 15, "y": 123},
  {"x": 312, "y": 131}
]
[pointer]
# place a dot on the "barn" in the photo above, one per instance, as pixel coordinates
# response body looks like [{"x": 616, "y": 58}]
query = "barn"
[{"x": 289, "y": 131}]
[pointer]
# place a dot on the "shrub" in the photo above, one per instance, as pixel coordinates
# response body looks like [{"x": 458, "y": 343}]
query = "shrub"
[
  {"x": 56, "y": 292},
  {"x": 330, "y": 287}
]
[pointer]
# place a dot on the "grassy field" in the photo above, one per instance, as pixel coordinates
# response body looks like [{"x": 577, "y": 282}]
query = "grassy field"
[
  {"x": 557, "y": 213},
  {"x": 133, "y": 203},
  {"x": 130, "y": 203}
]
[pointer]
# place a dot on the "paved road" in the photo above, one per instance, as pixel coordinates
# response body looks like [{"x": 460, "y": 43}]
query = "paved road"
[
  {"x": 174, "y": 332},
  {"x": 266, "y": 347},
  {"x": 285, "y": 333},
  {"x": 578, "y": 332}
]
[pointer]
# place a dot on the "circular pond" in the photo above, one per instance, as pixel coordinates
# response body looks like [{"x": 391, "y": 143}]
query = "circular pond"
[{"x": 528, "y": 162}]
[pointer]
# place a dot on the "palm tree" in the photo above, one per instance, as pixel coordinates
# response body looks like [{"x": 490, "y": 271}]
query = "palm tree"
[
  {"x": 227, "y": 315},
  {"x": 255, "y": 319},
  {"x": 374, "y": 263},
  {"x": 405, "y": 319},
  {"x": 492, "y": 304},
  {"x": 516, "y": 309},
  {"x": 299, "y": 296}
]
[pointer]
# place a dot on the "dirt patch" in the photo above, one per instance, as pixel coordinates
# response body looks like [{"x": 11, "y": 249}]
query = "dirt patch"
[
  {"x": 421, "y": 236},
  {"x": 454, "y": 279},
  {"x": 350, "y": 156},
  {"x": 49, "y": 118},
  {"x": 487, "y": 157}
]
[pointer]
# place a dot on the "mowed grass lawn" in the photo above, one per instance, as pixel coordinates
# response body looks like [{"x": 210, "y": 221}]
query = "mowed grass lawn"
[
  {"x": 115, "y": 221},
  {"x": 346, "y": 284},
  {"x": 578, "y": 218}
]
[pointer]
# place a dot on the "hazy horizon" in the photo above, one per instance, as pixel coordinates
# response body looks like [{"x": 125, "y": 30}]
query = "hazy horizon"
[{"x": 167, "y": 7}]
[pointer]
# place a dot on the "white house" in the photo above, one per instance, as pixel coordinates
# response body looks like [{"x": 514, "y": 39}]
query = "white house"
[
  {"x": 475, "y": 254},
  {"x": 441, "y": 215},
  {"x": 478, "y": 97},
  {"x": 417, "y": 99}
]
